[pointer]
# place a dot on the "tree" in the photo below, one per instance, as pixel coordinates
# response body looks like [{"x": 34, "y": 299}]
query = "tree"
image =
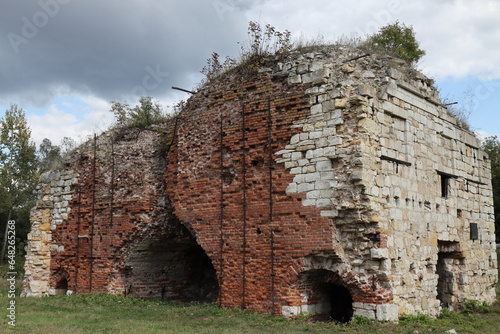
[
  {"x": 491, "y": 145},
  {"x": 18, "y": 170},
  {"x": 49, "y": 155},
  {"x": 397, "y": 40},
  {"x": 18, "y": 162},
  {"x": 146, "y": 113}
]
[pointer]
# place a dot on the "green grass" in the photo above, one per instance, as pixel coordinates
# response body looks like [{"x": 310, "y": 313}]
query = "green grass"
[{"x": 102, "y": 313}]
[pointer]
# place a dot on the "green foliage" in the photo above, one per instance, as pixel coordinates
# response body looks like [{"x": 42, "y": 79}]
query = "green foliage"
[
  {"x": 148, "y": 112},
  {"x": 360, "y": 320},
  {"x": 18, "y": 162},
  {"x": 422, "y": 319},
  {"x": 397, "y": 40},
  {"x": 447, "y": 314},
  {"x": 470, "y": 306},
  {"x": 50, "y": 156},
  {"x": 18, "y": 173},
  {"x": 104, "y": 313},
  {"x": 214, "y": 67},
  {"x": 265, "y": 41},
  {"x": 262, "y": 42},
  {"x": 491, "y": 145}
]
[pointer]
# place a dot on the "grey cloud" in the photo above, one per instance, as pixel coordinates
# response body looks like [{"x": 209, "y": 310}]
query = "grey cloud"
[{"x": 112, "y": 48}]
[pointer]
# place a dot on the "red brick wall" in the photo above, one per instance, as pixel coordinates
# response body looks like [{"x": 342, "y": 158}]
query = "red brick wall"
[
  {"x": 243, "y": 235},
  {"x": 220, "y": 181},
  {"x": 115, "y": 204}
]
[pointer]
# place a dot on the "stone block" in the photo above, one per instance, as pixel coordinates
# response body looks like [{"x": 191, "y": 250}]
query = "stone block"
[
  {"x": 323, "y": 203},
  {"x": 322, "y": 185},
  {"x": 379, "y": 253},
  {"x": 324, "y": 166},
  {"x": 294, "y": 79},
  {"x": 329, "y": 152},
  {"x": 312, "y": 177},
  {"x": 291, "y": 188},
  {"x": 316, "y": 109},
  {"x": 340, "y": 103},
  {"x": 387, "y": 312},
  {"x": 366, "y": 313},
  {"x": 305, "y": 187},
  {"x": 356, "y": 176},
  {"x": 329, "y": 213},
  {"x": 297, "y": 156},
  {"x": 368, "y": 91}
]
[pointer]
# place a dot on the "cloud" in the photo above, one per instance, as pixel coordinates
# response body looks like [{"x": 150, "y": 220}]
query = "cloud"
[
  {"x": 460, "y": 36},
  {"x": 92, "y": 52},
  {"x": 110, "y": 48},
  {"x": 72, "y": 116}
]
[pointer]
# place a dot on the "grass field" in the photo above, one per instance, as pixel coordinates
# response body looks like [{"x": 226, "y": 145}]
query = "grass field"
[{"x": 101, "y": 313}]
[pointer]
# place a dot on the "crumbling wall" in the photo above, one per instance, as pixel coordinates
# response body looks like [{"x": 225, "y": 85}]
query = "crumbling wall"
[
  {"x": 330, "y": 182},
  {"x": 431, "y": 182},
  {"x": 98, "y": 217},
  {"x": 55, "y": 190},
  {"x": 269, "y": 170}
]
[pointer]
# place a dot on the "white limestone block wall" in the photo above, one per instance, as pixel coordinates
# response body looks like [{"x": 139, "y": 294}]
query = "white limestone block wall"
[
  {"x": 55, "y": 190},
  {"x": 381, "y": 135}
]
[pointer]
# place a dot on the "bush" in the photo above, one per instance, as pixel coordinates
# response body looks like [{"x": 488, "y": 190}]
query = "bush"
[
  {"x": 422, "y": 319},
  {"x": 470, "y": 306},
  {"x": 146, "y": 113},
  {"x": 360, "y": 320},
  {"x": 398, "y": 40}
]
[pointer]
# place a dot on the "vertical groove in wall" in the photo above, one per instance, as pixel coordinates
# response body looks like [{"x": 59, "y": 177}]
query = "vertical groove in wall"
[
  {"x": 271, "y": 203},
  {"x": 112, "y": 185},
  {"x": 78, "y": 223},
  {"x": 92, "y": 221},
  {"x": 221, "y": 213},
  {"x": 244, "y": 173}
]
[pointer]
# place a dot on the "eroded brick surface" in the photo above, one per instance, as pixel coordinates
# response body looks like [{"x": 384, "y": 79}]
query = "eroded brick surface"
[{"x": 326, "y": 183}]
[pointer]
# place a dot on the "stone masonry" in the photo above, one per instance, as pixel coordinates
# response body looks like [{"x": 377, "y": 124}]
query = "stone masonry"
[{"x": 328, "y": 181}]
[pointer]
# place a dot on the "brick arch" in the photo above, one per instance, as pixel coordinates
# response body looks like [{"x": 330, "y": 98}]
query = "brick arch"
[
  {"x": 60, "y": 281},
  {"x": 369, "y": 289},
  {"x": 168, "y": 262}
]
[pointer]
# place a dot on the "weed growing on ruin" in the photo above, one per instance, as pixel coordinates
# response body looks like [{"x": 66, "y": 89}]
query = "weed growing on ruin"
[
  {"x": 421, "y": 319},
  {"x": 148, "y": 112},
  {"x": 262, "y": 42},
  {"x": 470, "y": 306},
  {"x": 215, "y": 67},
  {"x": 265, "y": 41},
  {"x": 397, "y": 40},
  {"x": 460, "y": 110},
  {"x": 360, "y": 320}
]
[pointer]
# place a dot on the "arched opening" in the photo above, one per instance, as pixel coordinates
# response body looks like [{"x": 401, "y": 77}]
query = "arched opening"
[
  {"x": 171, "y": 267},
  {"x": 338, "y": 302},
  {"x": 61, "y": 287},
  {"x": 327, "y": 296}
]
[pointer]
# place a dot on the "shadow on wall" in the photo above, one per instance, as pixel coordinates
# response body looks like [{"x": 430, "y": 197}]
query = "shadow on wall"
[
  {"x": 329, "y": 297},
  {"x": 172, "y": 267}
]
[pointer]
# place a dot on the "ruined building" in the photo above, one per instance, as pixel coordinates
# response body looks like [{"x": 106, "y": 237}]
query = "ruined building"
[{"x": 329, "y": 182}]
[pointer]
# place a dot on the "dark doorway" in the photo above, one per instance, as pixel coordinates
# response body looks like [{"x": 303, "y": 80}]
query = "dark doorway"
[
  {"x": 62, "y": 287},
  {"x": 330, "y": 298},
  {"x": 445, "y": 279},
  {"x": 339, "y": 301},
  {"x": 171, "y": 267},
  {"x": 449, "y": 260}
]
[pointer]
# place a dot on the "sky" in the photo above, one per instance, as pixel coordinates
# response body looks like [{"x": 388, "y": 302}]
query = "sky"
[{"x": 64, "y": 61}]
